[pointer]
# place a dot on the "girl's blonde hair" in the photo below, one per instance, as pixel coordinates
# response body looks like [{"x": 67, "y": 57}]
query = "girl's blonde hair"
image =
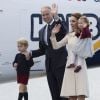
[
  {"x": 85, "y": 19},
  {"x": 22, "y": 41}
]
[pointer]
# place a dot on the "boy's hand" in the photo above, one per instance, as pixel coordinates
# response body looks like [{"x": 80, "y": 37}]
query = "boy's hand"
[{"x": 15, "y": 65}]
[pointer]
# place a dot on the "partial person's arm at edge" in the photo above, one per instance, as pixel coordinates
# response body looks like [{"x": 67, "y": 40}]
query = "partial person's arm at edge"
[{"x": 30, "y": 62}]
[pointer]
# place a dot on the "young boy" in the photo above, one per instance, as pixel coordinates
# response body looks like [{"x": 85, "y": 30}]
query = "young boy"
[
  {"x": 23, "y": 63},
  {"x": 83, "y": 47}
]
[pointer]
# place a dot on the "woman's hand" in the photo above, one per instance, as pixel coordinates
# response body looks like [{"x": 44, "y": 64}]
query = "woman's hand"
[{"x": 56, "y": 29}]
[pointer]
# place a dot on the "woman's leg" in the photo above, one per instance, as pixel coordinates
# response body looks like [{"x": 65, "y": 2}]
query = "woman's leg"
[
  {"x": 82, "y": 97},
  {"x": 73, "y": 98}
]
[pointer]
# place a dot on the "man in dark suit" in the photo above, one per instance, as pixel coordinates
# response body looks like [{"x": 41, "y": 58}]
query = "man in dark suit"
[{"x": 55, "y": 59}]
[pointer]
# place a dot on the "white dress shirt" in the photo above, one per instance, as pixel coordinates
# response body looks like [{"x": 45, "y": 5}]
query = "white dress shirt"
[
  {"x": 56, "y": 18},
  {"x": 45, "y": 36}
]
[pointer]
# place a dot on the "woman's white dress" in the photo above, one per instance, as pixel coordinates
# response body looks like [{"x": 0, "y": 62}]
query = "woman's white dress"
[{"x": 74, "y": 84}]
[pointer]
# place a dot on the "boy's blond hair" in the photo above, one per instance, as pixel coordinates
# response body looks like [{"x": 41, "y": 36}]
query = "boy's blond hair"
[{"x": 22, "y": 41}]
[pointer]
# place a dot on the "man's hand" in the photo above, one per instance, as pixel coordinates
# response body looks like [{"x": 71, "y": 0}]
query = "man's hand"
[
  {"x": 27, "y": 55},
  {"x": 54, "y": 9}
]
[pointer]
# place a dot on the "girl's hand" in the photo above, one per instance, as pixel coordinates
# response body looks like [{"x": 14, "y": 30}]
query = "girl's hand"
[
  {"x": 56, "y": 29},
  {"x": 85, "y": 25}
]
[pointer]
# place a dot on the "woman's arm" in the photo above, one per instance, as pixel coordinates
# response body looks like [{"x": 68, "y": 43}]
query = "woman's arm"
[{"x": 55, "y": 44}]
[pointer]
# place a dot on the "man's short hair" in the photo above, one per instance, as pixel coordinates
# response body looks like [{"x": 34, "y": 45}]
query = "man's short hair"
[{"x": 47, "y": 7}]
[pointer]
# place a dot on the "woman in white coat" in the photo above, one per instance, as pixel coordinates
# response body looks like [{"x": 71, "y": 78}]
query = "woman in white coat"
[{"x": 75, "y": 85}]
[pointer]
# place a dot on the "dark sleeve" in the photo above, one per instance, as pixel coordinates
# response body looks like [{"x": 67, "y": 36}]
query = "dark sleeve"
[
  {"x": 30, "y": 62},
  {"x": 23, "y": 62},
  {"x": 64, "y": 26},
  {"x": 85, "y": 33},
  {"x": 20, "y": 59},
  {"x": 40, "y": 51},
  {"x": 15, "y": 60}
]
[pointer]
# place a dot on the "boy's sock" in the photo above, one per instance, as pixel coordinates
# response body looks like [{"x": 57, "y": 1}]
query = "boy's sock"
[
  {"x": 20, "y": 96},
  {"x": 77, "y": 69},
  {"x": 26, "y": 96}
]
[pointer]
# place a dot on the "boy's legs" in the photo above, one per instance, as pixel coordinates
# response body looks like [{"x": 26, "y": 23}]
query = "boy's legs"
[
  {"x": 20, "y": 96},
  {"x": 23, "y": 92}
]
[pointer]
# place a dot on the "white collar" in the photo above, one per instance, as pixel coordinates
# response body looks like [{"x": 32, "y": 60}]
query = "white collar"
[{"x": 51, "y": 22}]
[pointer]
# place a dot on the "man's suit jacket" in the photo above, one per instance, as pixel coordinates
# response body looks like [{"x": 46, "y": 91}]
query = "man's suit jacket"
[{"x": 54, "y": 58}]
